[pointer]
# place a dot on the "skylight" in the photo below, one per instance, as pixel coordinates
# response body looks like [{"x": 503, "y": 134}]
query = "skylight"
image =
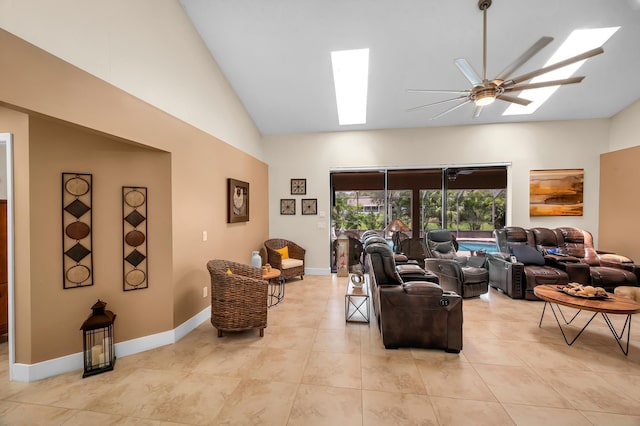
[
  {"x": 351, "y": 77},
  {"x": 579, "y": 41}
]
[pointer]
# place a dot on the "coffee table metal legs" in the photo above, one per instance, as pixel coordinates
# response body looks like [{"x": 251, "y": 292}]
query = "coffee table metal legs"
[{"x": 626, "y": 328}]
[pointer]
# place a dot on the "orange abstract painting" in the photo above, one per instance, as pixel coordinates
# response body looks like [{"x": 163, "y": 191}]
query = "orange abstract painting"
[{"x": 556, "y": 192}]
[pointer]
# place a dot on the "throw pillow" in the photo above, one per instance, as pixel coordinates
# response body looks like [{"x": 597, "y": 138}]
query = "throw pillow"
[
  {"x": 528, "y": 255},
  {"x": 284, "y": 252}
]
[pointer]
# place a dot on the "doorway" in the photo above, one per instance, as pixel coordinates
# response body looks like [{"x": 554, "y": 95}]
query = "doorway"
[{"x": 6, "y": 192}]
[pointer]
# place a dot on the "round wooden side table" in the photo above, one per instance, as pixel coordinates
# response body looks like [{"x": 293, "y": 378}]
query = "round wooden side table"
[{"x": 276, "y": 286}]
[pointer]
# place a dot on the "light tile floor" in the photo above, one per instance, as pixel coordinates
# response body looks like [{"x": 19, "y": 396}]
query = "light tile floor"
[{"x": 311, "y": 368}]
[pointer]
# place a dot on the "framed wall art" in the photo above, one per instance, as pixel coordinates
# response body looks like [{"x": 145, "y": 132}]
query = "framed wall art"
[
  {"x": 309, "y": 206},
  {"x": 287, "y": 206},
  {"x": 556, "y": 192},
  {"x": 77, "y": 237},
  {"x": 134, "y": 238},
  {"x": 298, "y": 187},
  {"x": 238, "y": 201}
]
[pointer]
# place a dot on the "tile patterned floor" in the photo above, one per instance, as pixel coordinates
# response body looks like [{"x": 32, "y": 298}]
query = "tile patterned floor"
[{"x": 311, "y": 368}]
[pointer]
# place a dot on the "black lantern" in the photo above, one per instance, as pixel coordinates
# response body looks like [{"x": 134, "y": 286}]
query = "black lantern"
[{"x": 99, "y": 354}]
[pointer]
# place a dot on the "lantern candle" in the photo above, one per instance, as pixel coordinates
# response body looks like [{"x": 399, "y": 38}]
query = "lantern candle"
[{"x": 96, "y": 352}]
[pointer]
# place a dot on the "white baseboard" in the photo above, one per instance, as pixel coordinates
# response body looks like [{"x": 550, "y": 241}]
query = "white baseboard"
[
  {"x": 317, "y": 271},
  {"x": 68, "y": 363}
]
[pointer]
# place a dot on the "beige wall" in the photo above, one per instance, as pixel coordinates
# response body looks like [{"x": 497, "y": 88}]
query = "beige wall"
[
  {"x": 40, "y": 84},
  {"x": 625, "y": 128},
  {"x": 527, "y": 146},
  {"x": 147, "y": 48}
]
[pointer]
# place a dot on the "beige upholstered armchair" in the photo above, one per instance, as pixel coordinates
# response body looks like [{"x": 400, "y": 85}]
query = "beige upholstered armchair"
[
  {"x": 287, "y": 256},
  {"x": 238, "y": 297}
]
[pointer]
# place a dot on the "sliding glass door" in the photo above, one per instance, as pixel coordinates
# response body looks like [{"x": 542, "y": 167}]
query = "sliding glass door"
[{"x": 468, "y": 200}]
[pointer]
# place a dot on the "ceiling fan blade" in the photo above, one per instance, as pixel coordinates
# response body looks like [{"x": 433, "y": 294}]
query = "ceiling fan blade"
[
  {"x": 522, "y": 59},
  {"x": 459, "y": 92},
  {"x": 530, "y": 75},
  {"x": 519, "y": 101},
  {"x": 468, "y": 71},
  {"x": 476, "y": 111},
  {"x": 450, "y": 109},
  {"x": 436, "y": 103},
  {"x": 572, "y": 80}
]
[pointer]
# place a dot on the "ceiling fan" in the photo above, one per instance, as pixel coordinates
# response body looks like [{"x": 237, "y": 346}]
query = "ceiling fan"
[{"x": 484, "y": 92}]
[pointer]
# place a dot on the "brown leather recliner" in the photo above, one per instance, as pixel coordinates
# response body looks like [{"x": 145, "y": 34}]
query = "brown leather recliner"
[
  {"x": 467, "y": 276},
  {"x": 605, "y": 271},
  {"x": 518, "y": 279},
  {"x": 414, "y": 249},
  {"x": 413, "y": 314},
  {"x": 409, "y": 271}
]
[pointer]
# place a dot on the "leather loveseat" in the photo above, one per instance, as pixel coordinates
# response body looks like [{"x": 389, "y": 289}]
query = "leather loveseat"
[{"x": 416, "y": 314}]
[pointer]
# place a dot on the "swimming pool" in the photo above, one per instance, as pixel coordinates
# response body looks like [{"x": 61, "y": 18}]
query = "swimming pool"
[{"x": 474, "y": 244}]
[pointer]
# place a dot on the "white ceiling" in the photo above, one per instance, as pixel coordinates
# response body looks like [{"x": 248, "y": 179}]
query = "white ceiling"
[{"x": 276, "y": 55}]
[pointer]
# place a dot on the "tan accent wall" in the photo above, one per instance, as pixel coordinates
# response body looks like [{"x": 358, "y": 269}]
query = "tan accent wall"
[
  {"x": 619, "y": 202},
  {"x": 57, "y": 148},
  {"x": 40, "y": 84}
]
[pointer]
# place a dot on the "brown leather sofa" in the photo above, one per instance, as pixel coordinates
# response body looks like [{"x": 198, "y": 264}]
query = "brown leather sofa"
[
  {"x": 518, "y": 279},
  {"x": 607, "y": 270},
  {"x": 416, "y": 314},
  {"x": 561, "y": 255}
]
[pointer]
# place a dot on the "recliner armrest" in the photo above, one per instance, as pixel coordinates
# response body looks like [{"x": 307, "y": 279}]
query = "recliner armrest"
[
  {"x": 422, "y": 287},
  {"x": 578, "y": 272},
  {"x": 506, "y": 275},
  {"x": 613, "y": 258},
  {"x": 561, "y": 258}
]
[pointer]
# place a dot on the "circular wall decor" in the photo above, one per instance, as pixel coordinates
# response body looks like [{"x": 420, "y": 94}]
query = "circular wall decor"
[
  {"x": 77, "y": 186},
  {"x": 134, "y": 198},
  {"x": 77, "y": 230},
  {"x": 134, "y": 238},
  {"x": 135, "y": 277},
  {"x": 78, "y": 274}
]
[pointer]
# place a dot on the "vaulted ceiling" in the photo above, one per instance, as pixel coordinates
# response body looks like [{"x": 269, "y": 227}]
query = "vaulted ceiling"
[{"x": 276, "y": 55}]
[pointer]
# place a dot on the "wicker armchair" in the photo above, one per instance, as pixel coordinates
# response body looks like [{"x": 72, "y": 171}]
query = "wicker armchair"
[
  {"x": 238, "y": 299},
  {"x": 292, "y": 267}
]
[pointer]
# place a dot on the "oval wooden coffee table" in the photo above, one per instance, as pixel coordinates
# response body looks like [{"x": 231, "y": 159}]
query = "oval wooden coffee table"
[
  {"x": 276, "y": 286},
  {"x": 612, "y": 305}
]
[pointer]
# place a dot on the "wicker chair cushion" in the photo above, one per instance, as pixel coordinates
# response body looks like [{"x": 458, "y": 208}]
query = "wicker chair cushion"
[
  {"x": 291, "y": 263},
  {"x": 284, "y": 251}
]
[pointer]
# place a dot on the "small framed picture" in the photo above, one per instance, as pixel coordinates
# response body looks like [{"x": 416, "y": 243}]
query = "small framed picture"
[
  {"x": 287, "y": 206},
  {"x": 309, "y": 206},
  {"x": 238, "y": 201},
  {"x": 298, "y": 187}
]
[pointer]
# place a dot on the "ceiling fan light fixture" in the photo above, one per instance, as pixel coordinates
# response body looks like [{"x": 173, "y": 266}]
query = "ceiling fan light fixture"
[{"x": 485, "y": 97}]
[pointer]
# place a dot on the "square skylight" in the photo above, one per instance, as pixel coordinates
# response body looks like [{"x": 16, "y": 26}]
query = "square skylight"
[
  {"x": 351, "y": 80},
  {"x": 579, "y": 41}
]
